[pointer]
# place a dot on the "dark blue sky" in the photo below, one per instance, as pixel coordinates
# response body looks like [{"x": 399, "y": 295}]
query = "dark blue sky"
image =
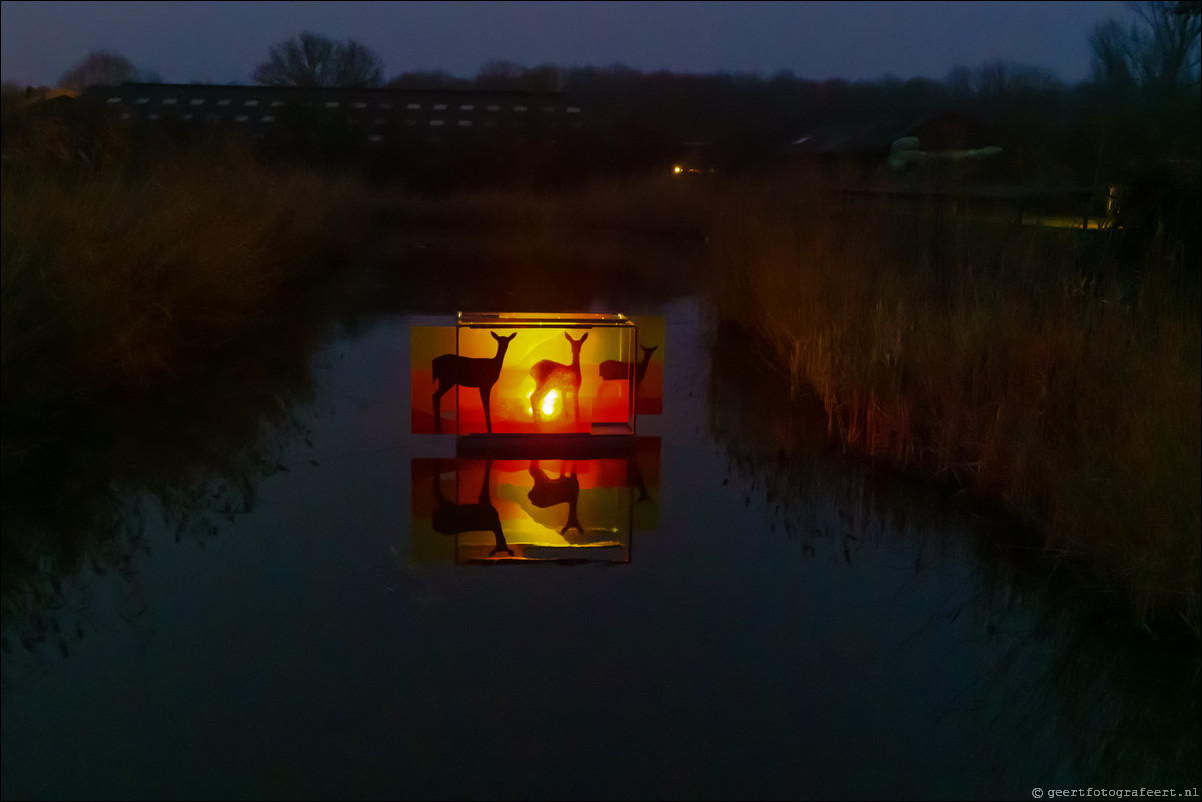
[{"x": 224, "y": 41}]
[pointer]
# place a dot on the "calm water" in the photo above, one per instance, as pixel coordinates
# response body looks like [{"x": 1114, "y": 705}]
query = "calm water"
[{"x": 794, "y": 627}]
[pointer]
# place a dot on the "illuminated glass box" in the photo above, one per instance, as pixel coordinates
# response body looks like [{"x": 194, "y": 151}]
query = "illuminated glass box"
[{"x": 526, "y": 373}]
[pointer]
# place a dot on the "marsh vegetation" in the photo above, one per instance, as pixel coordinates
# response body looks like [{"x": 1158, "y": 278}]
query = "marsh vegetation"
[{"x": 1052, "y": 376}]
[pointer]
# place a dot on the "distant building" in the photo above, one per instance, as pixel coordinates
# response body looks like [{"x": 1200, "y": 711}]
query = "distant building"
[
  {"x": 947, "y": 155},
  {"x": 42, "y": 94},
  {"x": 944, "y": 131},
  {"x": 437, "y": 140},
  {"x": 947, "y": 161},
  {"x": 375, "y": 116}
]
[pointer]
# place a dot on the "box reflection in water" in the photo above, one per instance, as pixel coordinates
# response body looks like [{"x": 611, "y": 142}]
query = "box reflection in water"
[{"x": 568, "y": 510}]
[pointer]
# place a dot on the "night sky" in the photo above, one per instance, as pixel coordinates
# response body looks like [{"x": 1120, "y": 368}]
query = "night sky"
[{"x": 222, "y": 42}]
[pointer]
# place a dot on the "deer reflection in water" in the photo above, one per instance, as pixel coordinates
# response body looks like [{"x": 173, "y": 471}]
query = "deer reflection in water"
[
  {"x": 454, "y": 519},
  {"x": 548, "y": 492}
]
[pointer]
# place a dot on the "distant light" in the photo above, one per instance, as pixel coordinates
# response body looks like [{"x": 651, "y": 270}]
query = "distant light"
[{"x": 677, "y": 169}]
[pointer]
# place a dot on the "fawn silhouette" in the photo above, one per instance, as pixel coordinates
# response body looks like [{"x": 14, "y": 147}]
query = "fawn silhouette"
[
  {"x": 452, "y": 369},
  {"x": 549, "y": 375},
  {"x": 613, "y": 370},
  {"x": 548, "y": 492},
  {"x": 453, "y": 519}
]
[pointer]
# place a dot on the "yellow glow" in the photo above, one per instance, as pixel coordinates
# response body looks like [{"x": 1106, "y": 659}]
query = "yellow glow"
[
  {"x": 677, "y": 169},
  {"x": 548, "y": 402}
]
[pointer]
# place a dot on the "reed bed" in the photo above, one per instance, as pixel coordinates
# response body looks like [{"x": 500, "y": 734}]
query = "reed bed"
[
  {"x": 1031, "y": 368},
  {"x": 119, "y": 274}
]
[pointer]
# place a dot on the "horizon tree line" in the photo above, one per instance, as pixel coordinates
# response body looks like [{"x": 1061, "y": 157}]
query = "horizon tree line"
[{"x": 1139, "y": 106}]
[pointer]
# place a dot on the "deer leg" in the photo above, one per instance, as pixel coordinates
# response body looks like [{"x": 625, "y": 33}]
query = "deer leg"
[
  {"x": 501, "y": 544},
  {"x": 438, "y": 394},
  {"x": 485, "y": 392},
  {"x": 573, "y": 521}
]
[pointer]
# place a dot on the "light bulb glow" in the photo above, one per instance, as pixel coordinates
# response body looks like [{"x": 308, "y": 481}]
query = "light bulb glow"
[{"x": 548, "y": 403}]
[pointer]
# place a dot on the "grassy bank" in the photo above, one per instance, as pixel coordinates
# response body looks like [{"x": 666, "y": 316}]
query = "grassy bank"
[{"x": 1032, "y": 368}]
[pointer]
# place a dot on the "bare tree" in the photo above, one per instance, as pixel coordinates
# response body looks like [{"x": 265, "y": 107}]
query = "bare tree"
[
  {"x": 1000, "y": 79},
  {"x": 1112, "y": 63},
  {"x": 1160, "y": 49},
  {"x": 315, "y": 60},
  {"x": 98, "y": 68},
  {"x": 1171, "y": 53},
  {"x": 512, "y": 76},
  {"x": 500, "y": 75}
]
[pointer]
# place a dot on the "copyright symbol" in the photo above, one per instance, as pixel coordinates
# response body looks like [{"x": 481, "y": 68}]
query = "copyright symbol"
[{"x": 1037, "y": 793}]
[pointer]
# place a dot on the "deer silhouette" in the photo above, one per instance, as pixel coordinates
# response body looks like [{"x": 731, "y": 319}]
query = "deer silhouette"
[
  {"x": 613, "y": 370},
  {"x": 549, "y": 375},
  {"x": 548, "y": 492},
  {"x": 453, "y": 519},
  {"x": 452, "y": 369}
]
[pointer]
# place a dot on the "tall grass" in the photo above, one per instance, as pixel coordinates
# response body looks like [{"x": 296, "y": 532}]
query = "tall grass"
[
  {"x": 120, "y": 273},
  {"x": 1024, "y": 365},
  {"x": 1108, "y": 706}
]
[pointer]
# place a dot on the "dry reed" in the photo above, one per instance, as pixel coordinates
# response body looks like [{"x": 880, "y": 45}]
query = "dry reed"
[{"x": 1009, "y": 361}]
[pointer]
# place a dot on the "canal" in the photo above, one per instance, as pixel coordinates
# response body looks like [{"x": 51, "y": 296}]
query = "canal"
[{"x": 783, "y": 624}]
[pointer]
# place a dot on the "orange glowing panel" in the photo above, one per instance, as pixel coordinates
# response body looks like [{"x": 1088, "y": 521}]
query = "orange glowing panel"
[
  {"x": 538, "y": 374},
  {"x": 426, "y": 344},
  {"x": 649, "y": 366}
]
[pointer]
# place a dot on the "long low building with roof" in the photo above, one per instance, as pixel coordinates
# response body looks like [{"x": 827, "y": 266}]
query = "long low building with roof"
[{"x": 374, "y": 115}]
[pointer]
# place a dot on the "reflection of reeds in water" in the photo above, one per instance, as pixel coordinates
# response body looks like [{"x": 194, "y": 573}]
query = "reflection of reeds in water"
[
  {"x": 1021, "y": 364},
  {"x": 157, "y": 313},
  {"x": 1058, "y": 679},
  {"x": 78, "y": 504}
]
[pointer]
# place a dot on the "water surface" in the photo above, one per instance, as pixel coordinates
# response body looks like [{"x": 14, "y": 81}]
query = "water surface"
[{"x": 794, "y": 627}]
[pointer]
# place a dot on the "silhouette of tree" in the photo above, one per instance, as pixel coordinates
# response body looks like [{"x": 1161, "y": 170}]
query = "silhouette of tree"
[
  {"x": 1159, "y": 50},
  {"x": 98, "y": 68},
  {"x": 428, "y": 79},
  {"x": 512, "y": 76},
  {"x": 500, "y": 75},
  {"x": 313, "y": 60}
]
